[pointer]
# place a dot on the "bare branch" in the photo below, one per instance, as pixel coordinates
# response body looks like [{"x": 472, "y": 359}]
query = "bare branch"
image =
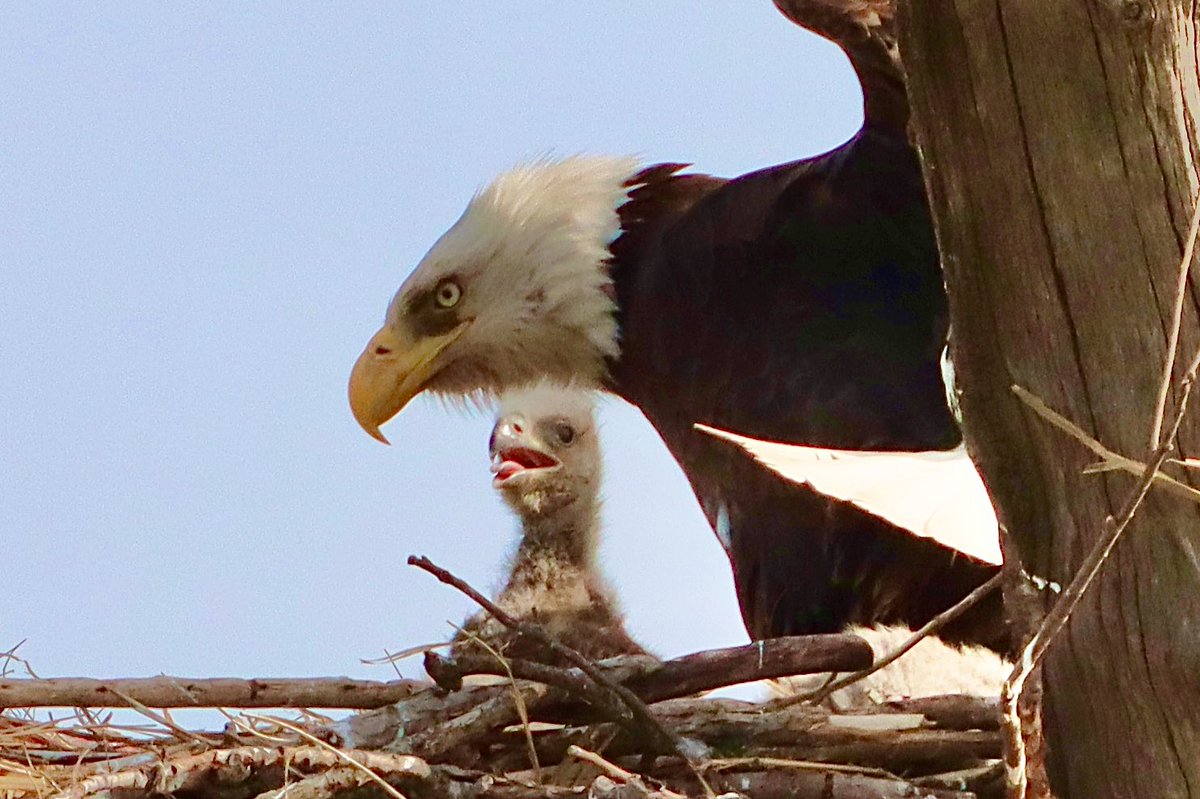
[
  {"x": 1031, "y": 655},
  {"x": 165, "y": 691},
  {"x": 613, "y": 771},
  {"x": 1110, "y": 461},
  {"x": 639, "y": 713},
  {"x": 1185, "y": 264},
  {"x": 194, "y": 770},
  {"x": 654, "y": 681}
]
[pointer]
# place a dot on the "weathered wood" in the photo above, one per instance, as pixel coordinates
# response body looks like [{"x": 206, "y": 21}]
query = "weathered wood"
[
  {"x": 984, "y": 781},
  {"x": 760, "y": 784},
  {"x": 762, "y": 660},
  {"x": 813, "y": 784},
  {"x": 797, "y": 732},
  {"x": 328, "y": 692},
  {"x": 1059, "y": 149},
  {"x": 472, "y": 727},
  {"x": 203, "y": 773},
  {"x": 652, "y": 682},
  {"x": 954, "y": 711}
]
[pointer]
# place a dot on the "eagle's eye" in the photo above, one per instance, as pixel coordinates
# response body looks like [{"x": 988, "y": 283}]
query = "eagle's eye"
[
  {"x": 448, "y": 294},
  {"x": 565, "y": 433}
]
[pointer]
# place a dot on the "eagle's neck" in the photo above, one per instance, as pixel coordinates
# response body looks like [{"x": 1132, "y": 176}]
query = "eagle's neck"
[
  {"x": 562, "y": 529},
  {"x": 658, "y": 195},
  {"x": 556, "y": 559}
]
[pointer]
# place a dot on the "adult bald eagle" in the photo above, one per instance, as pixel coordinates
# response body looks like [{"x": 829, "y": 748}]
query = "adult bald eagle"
[{"x": 802, "y": 303}]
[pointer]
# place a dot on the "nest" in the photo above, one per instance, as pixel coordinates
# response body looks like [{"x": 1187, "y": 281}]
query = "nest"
[{"x": 489, "y": 726}]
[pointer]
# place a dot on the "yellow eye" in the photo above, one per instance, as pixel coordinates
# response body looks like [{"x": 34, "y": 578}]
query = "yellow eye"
[{"x": 448, "y": 294}]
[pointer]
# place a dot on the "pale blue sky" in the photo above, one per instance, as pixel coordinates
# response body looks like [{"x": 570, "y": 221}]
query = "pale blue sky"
[{"x": 204, "y": 210}]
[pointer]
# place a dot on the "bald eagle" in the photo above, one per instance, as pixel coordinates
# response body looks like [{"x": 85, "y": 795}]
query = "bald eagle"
[
  {"x": 545, "y": 455},
  {"x": 801, "y": 303}
]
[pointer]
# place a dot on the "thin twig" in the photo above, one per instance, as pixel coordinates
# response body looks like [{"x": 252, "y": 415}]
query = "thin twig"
[
  {"x": 759, "y": 763},
  {"x": 642, "y": 719},
  {"x": 643, "y": 722},
  {"x": 10, "y": 656},
  {"x": 933, "y": 625},
  {"x": 1185, "y": 264},
  {"x": 448, "y": 672},
  {"x": 614, "y": 771},
  {"x": 1110, "y": 460},
  {"x": 518, "y": 700},
  {"x": 395, "y": 657},
  {"x": 418, "y": 766},
  {"x": 166, "y": 691},
  {"x": 1054, "y": 621},
  {"x": 166, "y": 722}
]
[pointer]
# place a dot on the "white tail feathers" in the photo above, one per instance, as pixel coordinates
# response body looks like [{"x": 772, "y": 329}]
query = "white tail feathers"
[
  {"x": 931, "y": 668},
  {"x": 936, "y": 494}
]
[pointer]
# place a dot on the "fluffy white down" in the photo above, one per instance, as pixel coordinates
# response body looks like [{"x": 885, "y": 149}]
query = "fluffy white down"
[
  {"x": 531, "y": 252},
  {"x": 931, "y": 668},
  {"x": 548, "y": 400}
]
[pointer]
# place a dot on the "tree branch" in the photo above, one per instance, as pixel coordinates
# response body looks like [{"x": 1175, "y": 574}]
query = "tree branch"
[
  {"x": 166, "y": 691},
  {"x": 639, "y": 714},
  {"x": 1031, "y": 655}
]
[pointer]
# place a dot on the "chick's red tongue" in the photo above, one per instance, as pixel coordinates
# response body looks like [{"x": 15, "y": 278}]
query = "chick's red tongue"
[{"x": 506, "y": 470}]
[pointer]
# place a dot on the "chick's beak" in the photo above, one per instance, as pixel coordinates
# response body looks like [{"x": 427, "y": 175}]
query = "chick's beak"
[
  {"x": 509, "y": 433},
  {"x": 393, "y": 368}
]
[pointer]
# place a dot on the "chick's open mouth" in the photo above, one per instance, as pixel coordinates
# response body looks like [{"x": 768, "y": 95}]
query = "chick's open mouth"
[{"x": 509, "y": 463}]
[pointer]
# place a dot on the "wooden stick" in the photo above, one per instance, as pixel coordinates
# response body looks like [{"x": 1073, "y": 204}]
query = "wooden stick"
[
  {"x": 769, "y": 777},
  {"x": 1109, "y": 461},
  {"x": 176, "y": 692},
  {"x": 652, "y": 680},
  {"x": 1054, "y": 621},
  {"x": 476, "y": 724},
  {"x": 326, "y": 785},
  {"x": 614, "y": 772},
  {"x": 639, "y": 714},
  {"x": 690, "y": 674},
  {"x": 761, "y": 660},
  {"x": 799, "y": 732},
  {"x": 954, "y": 711},
  {"x": 191, "y": 772},
  {"x": 780, "y": 784},
  {"x": 1185, "y": 264},
  {"x": 760, "y": 783}
]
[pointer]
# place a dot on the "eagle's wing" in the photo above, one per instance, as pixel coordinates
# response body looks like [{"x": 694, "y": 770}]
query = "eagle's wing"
[{"x": 937, "y": 495}]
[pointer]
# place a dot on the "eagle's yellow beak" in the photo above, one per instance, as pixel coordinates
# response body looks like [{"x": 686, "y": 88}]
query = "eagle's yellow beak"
[{"x": 393, "y": 368}]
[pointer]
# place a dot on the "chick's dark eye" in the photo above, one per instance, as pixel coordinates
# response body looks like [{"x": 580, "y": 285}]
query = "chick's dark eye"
[
  {"x": 565, "y": 433},
  {"x": 447, "y": 294}
]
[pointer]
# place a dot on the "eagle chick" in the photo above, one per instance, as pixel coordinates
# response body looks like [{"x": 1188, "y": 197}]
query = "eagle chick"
[{"x": 545, "y": 456}]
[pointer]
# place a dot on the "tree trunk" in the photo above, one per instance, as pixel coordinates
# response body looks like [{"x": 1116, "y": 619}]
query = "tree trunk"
[{"x": 1058, "y": 140}]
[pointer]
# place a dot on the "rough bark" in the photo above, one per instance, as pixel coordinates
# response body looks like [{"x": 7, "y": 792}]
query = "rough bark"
[
  {"x": 884, "y": 741},
  {"x": 650, "y": 680},
  {"x": 1059, "y": 148}
]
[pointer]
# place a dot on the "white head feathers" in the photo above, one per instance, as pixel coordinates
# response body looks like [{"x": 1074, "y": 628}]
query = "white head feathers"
[{"x": 530, "y": 254}]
